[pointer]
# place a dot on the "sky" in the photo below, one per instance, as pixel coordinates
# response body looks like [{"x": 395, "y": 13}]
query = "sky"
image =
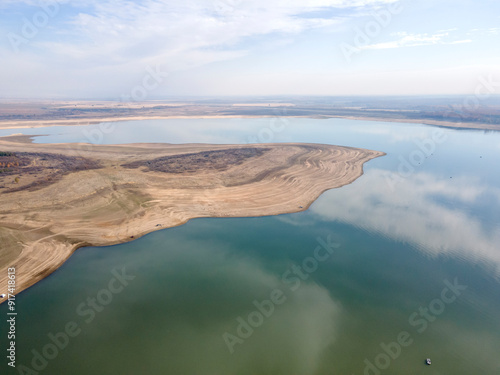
[{"x": 154, "y": 49}]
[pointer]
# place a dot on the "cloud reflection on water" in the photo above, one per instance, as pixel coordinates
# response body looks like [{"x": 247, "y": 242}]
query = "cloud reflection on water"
[
  {"x": 430, "y": 212},
  {"x": 208, "y": 288}
]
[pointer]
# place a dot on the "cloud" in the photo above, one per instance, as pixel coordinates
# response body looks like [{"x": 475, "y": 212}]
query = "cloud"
[
  {"x": 485, "y": 31},
  {"x": 461, "y": 41},
  {"x": 105, "y": 46},
  {"x": 161, "y": 28},
  {"x": 120, "y": 30},
  {"x": 414, "y": 40}
]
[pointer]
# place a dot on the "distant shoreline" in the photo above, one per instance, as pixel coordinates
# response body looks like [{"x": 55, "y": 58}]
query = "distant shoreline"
[
  {"x": 31, "y": 124},
  {"x": 453, "y": 114}
]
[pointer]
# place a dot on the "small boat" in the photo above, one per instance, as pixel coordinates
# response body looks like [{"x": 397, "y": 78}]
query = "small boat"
[
  {"x": 428, "y": 361},
  {"x": 2, "y": 296}
]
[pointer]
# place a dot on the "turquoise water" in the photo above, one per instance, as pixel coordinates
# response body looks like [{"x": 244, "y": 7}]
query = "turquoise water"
[{"x": 359, "y": 283}]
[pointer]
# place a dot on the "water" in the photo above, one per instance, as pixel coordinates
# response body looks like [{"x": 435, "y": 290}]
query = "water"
[{"x": 416, "y": 222}]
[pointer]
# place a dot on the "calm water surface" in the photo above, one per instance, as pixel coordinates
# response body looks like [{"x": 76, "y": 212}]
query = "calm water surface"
[{"x": 414, "y": 224}]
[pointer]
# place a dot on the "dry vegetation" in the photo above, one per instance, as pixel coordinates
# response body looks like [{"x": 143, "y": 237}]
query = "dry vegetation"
[
  {"x": 207, "y": 161},
  {"x": 32, "y": 171}
]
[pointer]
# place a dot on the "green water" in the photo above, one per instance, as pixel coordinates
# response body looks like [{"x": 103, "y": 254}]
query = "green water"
[{"x": 348, "y": 277}]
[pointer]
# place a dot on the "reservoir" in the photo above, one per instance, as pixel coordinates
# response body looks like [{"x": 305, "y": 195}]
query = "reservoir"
[{"x": 375, "y": 277}]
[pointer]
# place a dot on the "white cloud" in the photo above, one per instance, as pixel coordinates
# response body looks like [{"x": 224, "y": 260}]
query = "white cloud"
[
  {"x": 109, "y": 43},
  {"x": 414, "y": 40},
  {"x": 485, "y": 31},
  {"x": 461, "y": 41},
  {"x": 161, "y": 30}
]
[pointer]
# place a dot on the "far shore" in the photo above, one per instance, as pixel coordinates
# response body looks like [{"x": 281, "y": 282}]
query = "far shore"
[{"x": 22, "y": 124}]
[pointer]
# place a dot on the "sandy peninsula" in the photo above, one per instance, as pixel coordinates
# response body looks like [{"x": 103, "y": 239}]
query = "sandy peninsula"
[{"x": 56, "y": 198}]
